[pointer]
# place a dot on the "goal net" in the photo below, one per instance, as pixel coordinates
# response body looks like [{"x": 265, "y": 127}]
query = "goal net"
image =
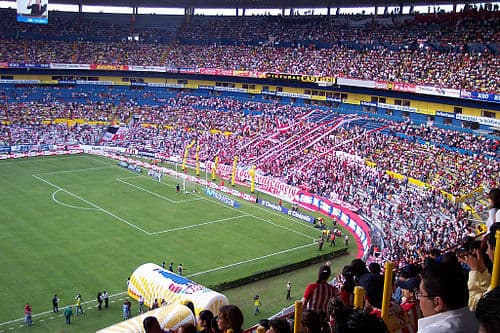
[
  {"x": 188, "y": 186},
  {"x": 157, "y": 175}
]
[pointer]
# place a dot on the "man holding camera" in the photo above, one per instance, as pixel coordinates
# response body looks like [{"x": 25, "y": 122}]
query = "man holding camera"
[{"x": 479, "y": 276}]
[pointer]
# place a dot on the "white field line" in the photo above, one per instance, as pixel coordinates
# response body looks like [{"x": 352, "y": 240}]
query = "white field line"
[
  {"x": 30, "y": 160},
  {"x": 75, "y": 170},
  {"x": 283, "y": 227},
  {"x": 93, "y": 205},
  {"x": 223, "y": 205},
  {"x": 123, "y": 220},
  {"x": 67, "y": 205},
  {"x": 132, "y": 177},
  {"x": 253, "y": 259},
  {"x": 60, "y": 307},
  {"x": 189, "y": 275},
  {"x": 155, "y": 194},
  {"x": 262, "y": 219},
  {"x": 200, "y": 224},
  {"x": 142, "y": 176},
  {"x": 107, "y": 164},
  {"x": 145, "y": 190}
]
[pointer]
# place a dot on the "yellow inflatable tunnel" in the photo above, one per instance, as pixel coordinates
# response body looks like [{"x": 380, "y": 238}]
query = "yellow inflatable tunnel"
[
  {"x": 154, "y": 282},
  {"x": 170, "y": 317}
]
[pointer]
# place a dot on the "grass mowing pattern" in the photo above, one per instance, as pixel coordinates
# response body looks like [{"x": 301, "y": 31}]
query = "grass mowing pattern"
[{"x": 80, "y": 224}]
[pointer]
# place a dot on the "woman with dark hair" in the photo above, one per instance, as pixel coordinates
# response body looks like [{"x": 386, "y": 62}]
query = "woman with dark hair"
[
  {"x": 347, "y": 320},
  {"x": 487, "y": 312},
  {"x": 358, "y": 268},
  {"x": 494, "y": 206},
  {"x": 317, "y": 294},
  {"x": 214, "y": 325},
  {"x": 186, "y": 328},
  {"x": 346, "y": 282},
  {"x": 230, "y": 319},
  {"x": 204, "y": 321},
  {"x": 312, "y": 323},
  {"x": 151, "y": 325},
  {"x": 279, "y": 325}
]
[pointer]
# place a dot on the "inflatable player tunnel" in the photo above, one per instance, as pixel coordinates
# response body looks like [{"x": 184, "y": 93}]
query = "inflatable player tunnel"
[
  {"x": 154, "y": 282},
  {"x": 170, "y": 318}
]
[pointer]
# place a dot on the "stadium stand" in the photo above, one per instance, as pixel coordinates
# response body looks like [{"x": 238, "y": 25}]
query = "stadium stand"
[
  {"x": 395, "y": 50},
  {"x": 336, "y": 154}
]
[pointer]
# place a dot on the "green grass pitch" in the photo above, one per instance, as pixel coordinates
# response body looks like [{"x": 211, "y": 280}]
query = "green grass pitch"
[{"x": 82, "y": 224}]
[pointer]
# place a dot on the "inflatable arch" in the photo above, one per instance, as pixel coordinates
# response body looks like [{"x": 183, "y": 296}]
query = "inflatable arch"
[
  {"x": 170, "y": 317},
  {"x": 154, "y": 282}
]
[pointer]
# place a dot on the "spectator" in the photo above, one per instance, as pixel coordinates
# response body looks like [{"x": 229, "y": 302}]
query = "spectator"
[
  {"x": 215, "y": 325},
  {"x": 443, "y": 296},
  {"x": 487, "y": 312},
  {"x": 491, "y": 240},
  {"x": 374, "y": 268},
  {"x": 347, "y": 284},
  {"x": 151, "y": 325},
  {"x": 204, "y": 321},
  {"x": 494, "y": 207},
  {"x": 279, "y": 325},
  {"x": 316, "y": 295},
  {"x": 358, "y": 268},
  {"x": 186, "y": 328},
  {"x": 409, "y": 302},
  {"x": 312, "y": 322},
  {"x": 479, "y": 277},
  {"x": 230, "y": 318},
  {"x": 398, "y": 320},
  {"x": 347, "y": 320}
]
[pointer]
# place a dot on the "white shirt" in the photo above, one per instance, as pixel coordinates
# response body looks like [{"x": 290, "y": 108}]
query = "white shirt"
[
  {"x": 494, "y": 216},
  {"x": 452, "y": 321}
]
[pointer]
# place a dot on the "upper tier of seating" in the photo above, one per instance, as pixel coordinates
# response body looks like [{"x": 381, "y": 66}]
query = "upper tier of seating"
[{"x": 457, "y": 51}]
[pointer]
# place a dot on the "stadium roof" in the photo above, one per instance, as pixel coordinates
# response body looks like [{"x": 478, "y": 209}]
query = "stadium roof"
[{"x": 256, "y": 3}]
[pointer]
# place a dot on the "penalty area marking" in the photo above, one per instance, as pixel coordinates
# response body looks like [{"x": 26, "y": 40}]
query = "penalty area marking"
[
  {"x": 109, "y": 165},
  {"x": 92, "y": 204},
  {"x": 68, "y": 205},
  {"x": 156, "y": 194},
  {"x": 200, "y": 224},
  {"x": 98, "y": 208},
  {"x": 262, "y": 219},
  {"x": 75, "y": 170}
]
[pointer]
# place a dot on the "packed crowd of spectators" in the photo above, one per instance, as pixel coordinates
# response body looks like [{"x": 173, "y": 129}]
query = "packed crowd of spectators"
[
  {"x": 470, "y": 26},
  {"x": 287, "y": 141},
  {"x": 76, "y": 27},
  {"x": 409, "y": 51},
  {"x": 279, "y": 140}
]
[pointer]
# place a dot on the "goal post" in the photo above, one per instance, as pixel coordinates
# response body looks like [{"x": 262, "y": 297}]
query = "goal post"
[
  {"x": 188, "y": 186},
  {"x": 157, "y": 175}
]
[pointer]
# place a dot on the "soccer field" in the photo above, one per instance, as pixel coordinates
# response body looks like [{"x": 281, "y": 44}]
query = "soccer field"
[{"x": 82, "y": 224}]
